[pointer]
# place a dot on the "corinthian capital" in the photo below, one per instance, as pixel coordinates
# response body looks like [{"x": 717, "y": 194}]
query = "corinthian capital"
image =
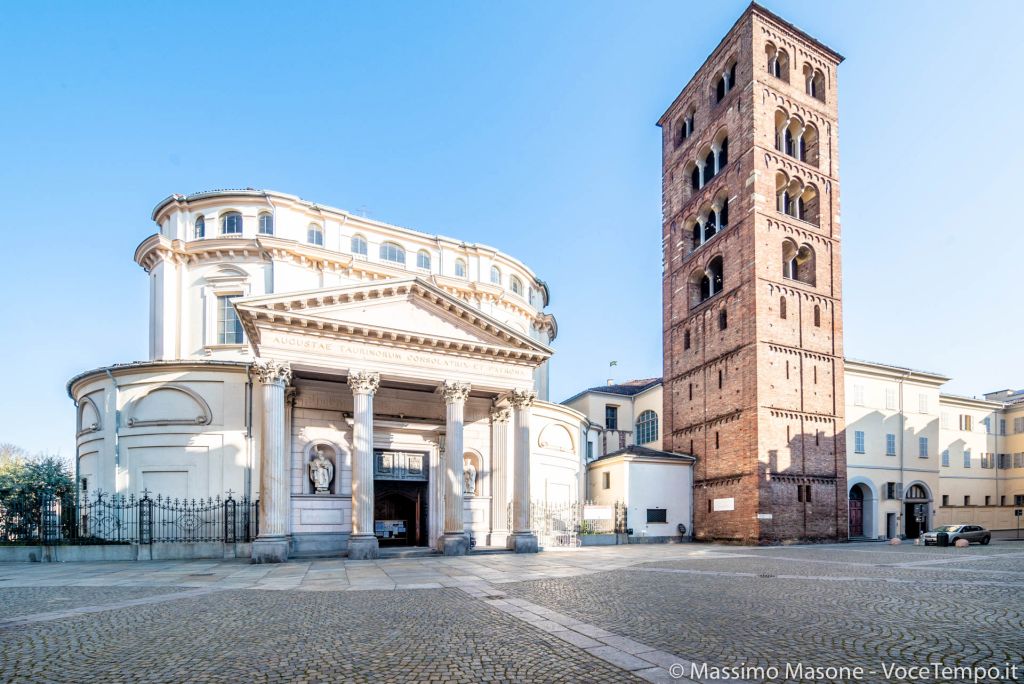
[
  {"x": 270, "y": 371},
  {"x": 501, "y": 414},
  {"x": 363, "y": 382},
  {"x": 454, "y": 391},
  {"x": 521, "y": 398}
]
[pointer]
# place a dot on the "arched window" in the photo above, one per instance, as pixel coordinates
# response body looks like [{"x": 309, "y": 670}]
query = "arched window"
[
  {"x": 814, "y": 82},
  {"x": 315, "y": 235},
  {"x": 695, "y": 178},
  {"x": 782, "y": 307},
  {"x": 725, "y": 83},
  {"x": 200, "y": 228},
  {"x": 723, "y": 154},
  {"x": 709, "y": 166},
  {"x": 495, "y": 275},
  {"x": 647, "y": 427},
  {"x": 460, "y": 268},
  {"x": 916, "y": 491},
  {"x": 423, "y": 259},
  {"x": 778, "y": 62},
  {"x": 266, "y": 224},
  {"x": 685, "y": 127},
  {"x": 817, "y": 316},
  {"x": 389, "y": 251},
  {"x": 231, "y": 223},
  {"x": 710, "y": 225},
  {"x": 686, "y": 340},
  {"x": 698, "y": 234},
  {"x": 711, "y": 281},
  {"x": 798, "y": 262},
  {"x": 516, "y": 285},
  {"x": 359, "y": 245}
]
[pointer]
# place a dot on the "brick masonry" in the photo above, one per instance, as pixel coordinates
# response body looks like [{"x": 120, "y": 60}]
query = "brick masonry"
[{"x": 760, "y": 400}]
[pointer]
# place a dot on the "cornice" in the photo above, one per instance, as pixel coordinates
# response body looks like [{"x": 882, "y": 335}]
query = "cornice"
[{"x": 268, "y": 248}]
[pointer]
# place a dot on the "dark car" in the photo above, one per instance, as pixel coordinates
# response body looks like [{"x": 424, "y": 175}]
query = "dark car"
[{"x": 972, "y": 533}]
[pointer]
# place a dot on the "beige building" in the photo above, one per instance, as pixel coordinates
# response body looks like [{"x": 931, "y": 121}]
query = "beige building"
[
  {"x": 912, "y": 450},
  {"x": 368, "y": 383}
]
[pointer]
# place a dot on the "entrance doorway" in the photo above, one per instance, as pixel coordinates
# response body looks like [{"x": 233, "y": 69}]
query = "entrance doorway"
[
  {"x": 856, "y": 512},
  {"x": 400, "y": 513},
  {"x": 890, "y": 525},
  {"x": 400, "y": 499},
  {"x": 916, "y": 504}
]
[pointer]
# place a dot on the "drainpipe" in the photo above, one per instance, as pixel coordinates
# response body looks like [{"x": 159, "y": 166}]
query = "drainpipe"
[
  {"x": 117, "y": 427},
  {"x": 903, "y": 508},
  {"x": 249, "y": 456},
  {"x": 78, "y": 472}
]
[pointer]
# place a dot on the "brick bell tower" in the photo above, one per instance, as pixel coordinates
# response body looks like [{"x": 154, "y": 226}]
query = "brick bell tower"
[{"x": 753, "y": 333}]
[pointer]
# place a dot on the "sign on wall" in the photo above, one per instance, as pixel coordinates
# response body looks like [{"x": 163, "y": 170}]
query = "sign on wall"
[{"x": 728, "y": 504}]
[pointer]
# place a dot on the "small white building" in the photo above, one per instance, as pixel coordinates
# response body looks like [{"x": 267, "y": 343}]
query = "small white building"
[{"x": 655, "y": 486}]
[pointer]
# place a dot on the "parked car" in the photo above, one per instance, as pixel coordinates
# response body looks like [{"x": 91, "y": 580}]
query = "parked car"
[{"x": 972, "y": 533}]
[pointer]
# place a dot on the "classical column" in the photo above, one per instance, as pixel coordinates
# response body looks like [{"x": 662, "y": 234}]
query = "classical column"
[
  {"x": 455, "y": 541},
  {"x": 523, "y": 540},
  {"x": 362, "y": 544},
  {"x": 499, "y": 475},
  {"x": 271, "y": 544}
]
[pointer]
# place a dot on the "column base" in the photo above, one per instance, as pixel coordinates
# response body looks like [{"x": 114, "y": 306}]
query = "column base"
[
  {"x": 363, "y": 547},
  {"x": 522, "y": 542},
  {"x": 455, "y": 544},
  {"x": 269, "y": 550}
]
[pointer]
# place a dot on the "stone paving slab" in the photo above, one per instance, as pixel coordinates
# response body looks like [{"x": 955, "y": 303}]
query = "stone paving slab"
[{"x": 16, "y": 602}]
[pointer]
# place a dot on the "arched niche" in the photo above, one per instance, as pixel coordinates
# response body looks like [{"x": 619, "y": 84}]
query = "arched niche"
[
  {"x": 556, "y": 437},
  {"x": 169, "y": 405}
]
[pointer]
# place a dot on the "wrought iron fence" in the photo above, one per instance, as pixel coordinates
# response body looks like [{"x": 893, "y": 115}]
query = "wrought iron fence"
[
  {"x": 561, "y": 524},
  {"x": 118, "y": 519}
]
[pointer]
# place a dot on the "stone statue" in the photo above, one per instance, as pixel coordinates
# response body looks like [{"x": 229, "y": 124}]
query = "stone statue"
[
  {"x": 469, "y": 477},
  {"x": 321, "y": 471}
]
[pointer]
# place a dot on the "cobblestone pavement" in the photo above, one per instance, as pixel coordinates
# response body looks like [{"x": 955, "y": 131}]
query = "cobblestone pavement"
[
  {"x": 610, "y": 614},
  {"x": 822, "y": 606}
]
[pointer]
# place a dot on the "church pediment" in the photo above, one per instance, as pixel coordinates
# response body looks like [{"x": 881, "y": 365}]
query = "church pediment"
[{"x": 409, "y": 312}]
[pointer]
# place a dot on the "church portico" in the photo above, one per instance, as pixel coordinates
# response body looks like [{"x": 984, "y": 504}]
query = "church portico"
[{"x": 423, "y": 416}]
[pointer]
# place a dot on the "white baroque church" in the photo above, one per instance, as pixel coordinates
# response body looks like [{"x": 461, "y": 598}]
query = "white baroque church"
[{"x": 369, "y": 384}]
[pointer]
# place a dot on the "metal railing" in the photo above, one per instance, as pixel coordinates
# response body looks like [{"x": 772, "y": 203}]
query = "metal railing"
[{"x": 51, "y": 519}]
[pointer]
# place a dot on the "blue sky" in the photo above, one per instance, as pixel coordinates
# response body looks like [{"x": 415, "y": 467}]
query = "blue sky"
[{"x": 527, "y": 126}]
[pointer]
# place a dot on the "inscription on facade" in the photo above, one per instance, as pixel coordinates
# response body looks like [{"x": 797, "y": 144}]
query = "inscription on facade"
[{"x": 381, "y": 354}]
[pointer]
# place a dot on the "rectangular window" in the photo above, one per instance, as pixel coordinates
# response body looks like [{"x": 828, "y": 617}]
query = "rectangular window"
[
  {"x": 945, "y": 421},
  {"x": 1018, "y": 460},
  {"x": 858, "y": 395},
  {"x": 1018, "y": 499},
  {"x": 986, "y": 461},
  {"x": 611, "y": 417},
  {"x": 967, "y": 458},
  {"x": 1002, "y": 426},
  {"x": 1004, "y": 461},
  {"x": 922, "y": 447},
  {"x": 606, "y": 480},
  {"x": 966, "y": 423},
  {"x": 890, "y": 444},
  {"x": 858, "y": 441},
  {"x": 922, "y": 403},
  {"x": 945, "y": 457},
  {"x": 890, "y": 398},
  {"x": 657, "y": 515},
  {"x": 945, "y": 499},
  {"x": 1018, "y": 425},
  {"x": 988, "y": 425},
  {"x": 229, "y": 327},
  {"x": 988, "y": 500},
  {"x": 590, "y": 451},
  {"x": 967, "y": 500}
]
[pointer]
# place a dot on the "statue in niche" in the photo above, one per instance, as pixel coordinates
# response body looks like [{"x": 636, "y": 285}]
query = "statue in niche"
[
  {"x": 321, "y": 470},
  {"x": 469, "y": 477}
]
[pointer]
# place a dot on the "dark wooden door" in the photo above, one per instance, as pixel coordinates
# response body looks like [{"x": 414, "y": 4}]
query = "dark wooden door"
[{"x": 856, "y": 518}]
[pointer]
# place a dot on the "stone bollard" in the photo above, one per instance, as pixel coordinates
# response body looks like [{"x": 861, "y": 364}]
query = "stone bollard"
[
  {"x": 962, "y": 543},
  {"x": 895, "y": 540}
]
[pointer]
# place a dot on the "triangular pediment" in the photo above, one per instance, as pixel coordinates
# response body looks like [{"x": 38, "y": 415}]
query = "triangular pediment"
[{"x": 410, "y": 311}]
